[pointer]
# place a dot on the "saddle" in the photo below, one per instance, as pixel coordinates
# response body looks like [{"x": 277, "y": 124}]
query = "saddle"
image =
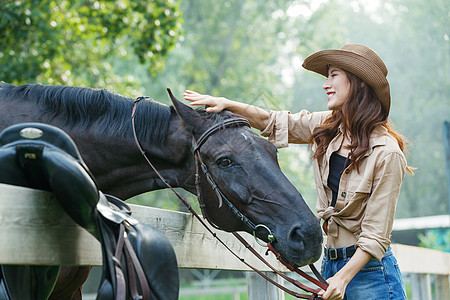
[{"x": 138, "y": 260}]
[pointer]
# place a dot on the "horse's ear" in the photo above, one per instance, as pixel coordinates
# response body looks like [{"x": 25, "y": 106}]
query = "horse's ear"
[{"x": 192, "y": 119}]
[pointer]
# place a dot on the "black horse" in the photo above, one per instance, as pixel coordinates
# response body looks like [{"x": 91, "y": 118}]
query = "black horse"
[{"x": 242, "y": 164}]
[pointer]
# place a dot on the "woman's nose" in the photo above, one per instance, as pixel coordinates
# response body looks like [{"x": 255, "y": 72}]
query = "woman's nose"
[{"x": 326, "y": 85}]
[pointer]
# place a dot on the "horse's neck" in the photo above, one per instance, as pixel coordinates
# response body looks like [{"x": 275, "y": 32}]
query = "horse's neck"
[{"x": 120, "y": 168}]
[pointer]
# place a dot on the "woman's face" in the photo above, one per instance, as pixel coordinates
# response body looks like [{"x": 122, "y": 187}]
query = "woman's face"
[{"x": 337, "y": 87}]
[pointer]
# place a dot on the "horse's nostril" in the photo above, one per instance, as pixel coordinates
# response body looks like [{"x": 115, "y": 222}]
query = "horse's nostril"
[{"x": 296, "y": 238}]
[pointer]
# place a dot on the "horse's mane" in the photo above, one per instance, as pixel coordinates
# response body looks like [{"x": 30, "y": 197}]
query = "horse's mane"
[{"x": 83, "y": 107}]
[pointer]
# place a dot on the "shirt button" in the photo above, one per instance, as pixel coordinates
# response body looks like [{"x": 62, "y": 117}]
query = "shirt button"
[
  {"x": 347, "y": 171},
  {"x": 344, "y": 194}
]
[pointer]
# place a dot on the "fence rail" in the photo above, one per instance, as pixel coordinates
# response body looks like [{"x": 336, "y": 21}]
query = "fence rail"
[{"x": 36, "y": 230}]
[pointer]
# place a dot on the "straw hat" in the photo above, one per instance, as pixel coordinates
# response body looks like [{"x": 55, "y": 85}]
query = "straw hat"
[{"x": 359, "y": 60}]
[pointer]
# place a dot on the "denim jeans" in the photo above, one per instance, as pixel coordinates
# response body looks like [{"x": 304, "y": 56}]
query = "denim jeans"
[{"x": 377, "y": 279}]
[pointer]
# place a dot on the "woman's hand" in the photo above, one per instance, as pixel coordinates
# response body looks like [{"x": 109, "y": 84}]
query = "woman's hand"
[
  {"x": 216, "y": 104},
  {"x": 257, "y": 117},
  {"x": 335, "y": 290},
  {"x": 338, "y": 283}
]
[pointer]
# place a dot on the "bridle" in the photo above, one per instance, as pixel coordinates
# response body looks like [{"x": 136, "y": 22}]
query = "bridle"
[{"x": 196, "y": 145}]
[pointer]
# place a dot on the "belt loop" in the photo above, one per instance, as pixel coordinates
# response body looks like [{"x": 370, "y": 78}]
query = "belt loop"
[{"x": 345, "y": 253}]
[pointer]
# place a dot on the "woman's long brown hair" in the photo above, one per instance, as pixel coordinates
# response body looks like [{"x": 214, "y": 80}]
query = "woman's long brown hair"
[{"x": 359, "y": 117}]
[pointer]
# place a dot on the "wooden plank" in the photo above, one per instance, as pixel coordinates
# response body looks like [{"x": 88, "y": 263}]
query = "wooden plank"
[
  {"x": 197, "y": 248},
  {"x": 36, "y": 230},
  {"x": 421, "y": 260}
]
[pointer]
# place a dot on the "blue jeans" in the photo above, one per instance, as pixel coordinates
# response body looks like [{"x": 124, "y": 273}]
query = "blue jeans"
[{"x": 377, "y": 279}]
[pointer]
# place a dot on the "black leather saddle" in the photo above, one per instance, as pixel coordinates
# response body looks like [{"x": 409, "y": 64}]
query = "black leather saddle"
[{"x": 138, "y": 260}]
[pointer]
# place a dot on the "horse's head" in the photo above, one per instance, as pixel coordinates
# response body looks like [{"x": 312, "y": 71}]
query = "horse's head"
[{"x": 244, "y": 166}]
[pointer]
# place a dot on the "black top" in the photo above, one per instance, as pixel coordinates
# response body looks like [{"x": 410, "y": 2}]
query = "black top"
[{"x": 338, "y": 163}]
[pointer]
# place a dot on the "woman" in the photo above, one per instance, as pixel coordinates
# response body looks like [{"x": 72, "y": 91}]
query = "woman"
[{"x": 359, "y": 166}]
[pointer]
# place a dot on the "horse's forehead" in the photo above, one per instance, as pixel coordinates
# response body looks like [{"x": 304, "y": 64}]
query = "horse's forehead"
[
  {"x": 239, "y": 134},
  {"x": 238, "y": 141}
]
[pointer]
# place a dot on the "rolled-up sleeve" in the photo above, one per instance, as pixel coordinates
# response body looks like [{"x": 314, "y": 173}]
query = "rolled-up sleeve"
[
  {"x": 284, "y": 127},
  {"x": 378, "y": 219}
]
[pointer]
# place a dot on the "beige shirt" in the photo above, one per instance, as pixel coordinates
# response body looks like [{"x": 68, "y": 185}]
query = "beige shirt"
[{"x": 366, "y": 200}]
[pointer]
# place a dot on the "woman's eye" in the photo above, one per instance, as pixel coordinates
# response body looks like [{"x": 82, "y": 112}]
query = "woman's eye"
[{"x": 224, "y": 162}]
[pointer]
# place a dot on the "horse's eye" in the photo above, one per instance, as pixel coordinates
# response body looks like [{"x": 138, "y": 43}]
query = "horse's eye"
[{"x": 224, "y": 162}]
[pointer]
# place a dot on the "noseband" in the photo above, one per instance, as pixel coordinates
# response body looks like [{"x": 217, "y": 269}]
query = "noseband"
[{"x": 234, "y": 122}]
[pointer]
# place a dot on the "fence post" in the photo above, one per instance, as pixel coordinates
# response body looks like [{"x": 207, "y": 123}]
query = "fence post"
[
  {"x": 442, "y": 287},
  {"x": 420, "y": 286},
  {"x": 261, "y": 289}
]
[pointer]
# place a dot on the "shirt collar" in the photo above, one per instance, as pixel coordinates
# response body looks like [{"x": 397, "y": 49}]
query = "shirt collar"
[{"x": 377, "y": 138}]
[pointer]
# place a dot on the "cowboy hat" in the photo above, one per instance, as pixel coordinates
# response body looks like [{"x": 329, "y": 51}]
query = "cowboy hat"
[{"x": 359, "y": 60}]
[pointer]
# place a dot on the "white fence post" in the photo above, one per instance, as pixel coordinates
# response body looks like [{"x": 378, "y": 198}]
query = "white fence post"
[
  {"x": 420, "y": 287},
  {"x": 261, "y": 289}
]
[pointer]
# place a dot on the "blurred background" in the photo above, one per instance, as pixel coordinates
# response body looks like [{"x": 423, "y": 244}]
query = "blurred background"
[{"x": 252, "y": 51}]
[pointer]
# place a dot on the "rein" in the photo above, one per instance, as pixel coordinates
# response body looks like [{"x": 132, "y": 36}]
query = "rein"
[{"x": 222, "y": 198}]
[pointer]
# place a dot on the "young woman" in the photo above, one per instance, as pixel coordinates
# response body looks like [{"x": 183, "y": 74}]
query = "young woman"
[{"x": 359, "y": 166}]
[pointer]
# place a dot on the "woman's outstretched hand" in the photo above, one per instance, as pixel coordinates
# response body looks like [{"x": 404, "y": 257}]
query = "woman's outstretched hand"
[
  {"x": 257, "y": 117},
  {"x": 216, "y": 104}
]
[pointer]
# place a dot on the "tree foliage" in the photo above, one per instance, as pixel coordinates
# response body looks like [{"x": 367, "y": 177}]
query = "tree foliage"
[{"x": 73, "y": 42}]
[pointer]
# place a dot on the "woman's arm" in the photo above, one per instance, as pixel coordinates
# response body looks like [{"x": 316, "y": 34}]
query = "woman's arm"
[
  {"x": 257, "y": 117},
  {"x": 338, "y": 283}
]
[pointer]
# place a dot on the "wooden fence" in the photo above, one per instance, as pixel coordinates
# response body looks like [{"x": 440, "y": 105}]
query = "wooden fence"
[{"x": 36, "y": 230}]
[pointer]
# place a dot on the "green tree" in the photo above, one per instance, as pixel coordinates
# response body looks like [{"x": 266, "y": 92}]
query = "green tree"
[
  {"x": 231, "y": 48},
  {"x": 74, "y": 42},
  {"x": 438, "y": 239}
]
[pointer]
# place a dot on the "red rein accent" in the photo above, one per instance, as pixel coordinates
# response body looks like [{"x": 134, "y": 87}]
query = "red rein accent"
[{"x": 322, "y": 284}]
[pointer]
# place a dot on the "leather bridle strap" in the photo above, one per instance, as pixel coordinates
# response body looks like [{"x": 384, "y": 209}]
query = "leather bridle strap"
[
  {"x": 288, "y": 279},
  {"x": 225, "y": 124},
  {"x": 320, "y": 282},
  {"x": 220, "y": 196}
]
